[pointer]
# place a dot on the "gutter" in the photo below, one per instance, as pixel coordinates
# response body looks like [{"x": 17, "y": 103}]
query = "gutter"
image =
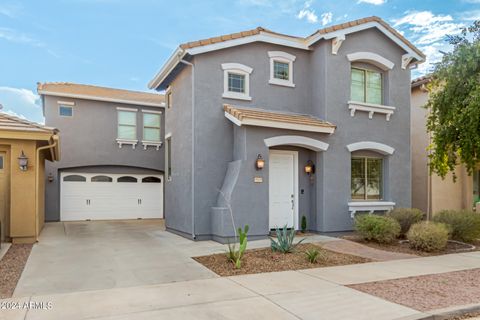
[
  {"x": 193, "y": 143},
  {"x": 37, "y": 177},
  {"x": 172, "y": 62}
]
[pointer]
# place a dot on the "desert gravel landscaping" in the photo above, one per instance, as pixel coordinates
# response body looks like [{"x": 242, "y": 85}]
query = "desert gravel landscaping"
[
  {"x": 11, "y": 268},
  {"x": 265, "y": 260},
  {"x": 429, "y": 292}
]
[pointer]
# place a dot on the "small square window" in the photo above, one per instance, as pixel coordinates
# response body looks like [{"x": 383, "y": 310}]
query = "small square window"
[
  {"x": 281, "y": 70},
  {"x": 65, "y": 111},
  {"x": 236, "y": 82}
]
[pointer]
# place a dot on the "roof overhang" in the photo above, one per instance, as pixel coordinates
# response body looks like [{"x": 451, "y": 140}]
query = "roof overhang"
[{"x": 98, "y": 98}]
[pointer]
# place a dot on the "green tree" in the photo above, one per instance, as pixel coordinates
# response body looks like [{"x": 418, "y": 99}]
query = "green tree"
[{"x": 454, "y": 104}]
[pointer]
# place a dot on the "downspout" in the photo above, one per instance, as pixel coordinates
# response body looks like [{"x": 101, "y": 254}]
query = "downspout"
[
  {"x": 193, "y": 145},
  {"x": 37, "y": 178}
]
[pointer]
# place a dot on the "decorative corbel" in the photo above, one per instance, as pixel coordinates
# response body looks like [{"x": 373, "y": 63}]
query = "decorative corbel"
[
  {"x": 337, "y": 43},
  {"x": 406, "y": 59}
]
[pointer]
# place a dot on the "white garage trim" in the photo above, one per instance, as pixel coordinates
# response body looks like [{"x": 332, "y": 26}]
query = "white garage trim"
[
  {"x": 299, "y": 141},
  {"x": 370, "y": 145}
]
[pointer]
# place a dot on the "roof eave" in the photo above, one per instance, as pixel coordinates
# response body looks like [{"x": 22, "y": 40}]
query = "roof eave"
[{"x": 171, "y": 63}]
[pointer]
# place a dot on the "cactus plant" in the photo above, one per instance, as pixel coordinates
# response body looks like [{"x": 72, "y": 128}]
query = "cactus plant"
[
  {"x": 304, "y": 224},
  {"x": 284, "y": 242}
]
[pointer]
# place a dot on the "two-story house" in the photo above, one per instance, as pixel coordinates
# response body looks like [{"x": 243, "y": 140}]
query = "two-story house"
[
  {"x": 276, "y": 127},
  {"x": 112, "y": 153}
]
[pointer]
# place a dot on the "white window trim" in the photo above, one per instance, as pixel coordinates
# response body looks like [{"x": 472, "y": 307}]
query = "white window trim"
[
  {"x": 168, "y": 97},
  {"x": 236, "y": 68},
  {"x": 148, "y": 143},
  {"x": 371, "y": 108},
  {"x": 283, "y": 57},
  {"x": 370, "y": 206},
  {"x": 372, "y": 146},
  {"x": 121, "y": 141},
  {"x": 66, "y": 106},
  {"x": 66, "y": 103},
  {"x": 373, "y": 58}
]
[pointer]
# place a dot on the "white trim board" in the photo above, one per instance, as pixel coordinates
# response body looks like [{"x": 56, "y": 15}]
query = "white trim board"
[
  {"x": 373, "y": 58},
  {"x": 370, "y": 145},
  {"x": 299, "y": 141}
]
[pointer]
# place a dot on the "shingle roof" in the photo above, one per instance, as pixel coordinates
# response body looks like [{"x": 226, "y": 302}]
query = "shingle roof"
[
  {"x": 251, "y": 116},
  {"x": 12, "y": 123},
  {"x": 83, "y": 91},
  {"x": 336, "y": 27}
]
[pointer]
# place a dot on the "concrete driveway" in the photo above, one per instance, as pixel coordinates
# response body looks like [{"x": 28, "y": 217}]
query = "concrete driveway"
[{"x": 92, "y": 255}]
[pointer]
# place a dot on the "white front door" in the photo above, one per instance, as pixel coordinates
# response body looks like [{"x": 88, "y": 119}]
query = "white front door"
[
  {"x": 283, "y": 189},
  {"x": 104, "y": 196}
]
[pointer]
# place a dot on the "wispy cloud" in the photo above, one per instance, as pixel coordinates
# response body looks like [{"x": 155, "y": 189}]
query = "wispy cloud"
[
  {"x": 10, "y": 10},
  {"x": 18, "y": 37},
  {"x": 374, "y": 2},
  {"x": 471, "y": 15},
  {"x": 326, "y": 18},
  {"x": 20, "y": 102},
  {"x": 307, "y": 13}
]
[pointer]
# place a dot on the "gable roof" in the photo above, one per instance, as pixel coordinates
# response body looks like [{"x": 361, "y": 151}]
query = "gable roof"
[
  {"x": 90, "y": 92},
  {"x": 12, "y": 123},
  {"x": 261, "y": 34}
]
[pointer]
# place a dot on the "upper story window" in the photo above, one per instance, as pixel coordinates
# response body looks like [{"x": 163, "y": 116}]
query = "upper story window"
[
  {"x": 168, "y": 97},
  {"x": 65, "y": 111},
  {"x": 366, "y": 86},
  {"x": 127, "y": 126},
  {"x": 151, "y": 126},
  {"x": 367, "y": 178},
  {"x": 281, "y": 68},
  {"x": 236, "y": 81}
]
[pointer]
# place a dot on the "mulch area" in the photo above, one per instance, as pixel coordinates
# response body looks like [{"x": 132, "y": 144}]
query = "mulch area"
[
  {"x": 405, "y": 248},
  {"x": 264, "y": 260},
  {"x": 11, "y": 268},
  {"x": 429, "y": 292}
]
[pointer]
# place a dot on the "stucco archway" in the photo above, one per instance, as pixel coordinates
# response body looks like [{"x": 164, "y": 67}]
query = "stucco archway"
[{"x": 299, "y": 141}]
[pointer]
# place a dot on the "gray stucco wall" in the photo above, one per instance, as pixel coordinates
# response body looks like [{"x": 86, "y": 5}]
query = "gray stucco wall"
[
  {"x": 322, "y": 88},
  {"x": 88, "y": 140}
]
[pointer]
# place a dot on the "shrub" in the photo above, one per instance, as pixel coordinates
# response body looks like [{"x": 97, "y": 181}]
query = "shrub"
[
  {"x": 304, "y": 224},
  {"x": 235, "y": 255},
  {"x": 428, "y": 236},
  {"x": 313, "y": 255},
  {"x": 463, "y": 225},
  {"x": 284, "y": 242},
  {"x": 377, "y": 228},
  {"x": 406, "y": 217}
]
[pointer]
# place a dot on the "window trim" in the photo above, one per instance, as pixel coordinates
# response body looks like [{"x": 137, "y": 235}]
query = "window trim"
[
  {"x": 168, "y": 157},
  {"x": 283, "y": 57},
  {"x": 366, "y": 179},
  {"x": 168, "y": 97},
  {"x": 239, "y": 69},
  {"x": 62, "y": 105},
  {"x": 154, "y": 143},
  {"x": 365, "y": 76},
  {"x": 122, "y": 141}
]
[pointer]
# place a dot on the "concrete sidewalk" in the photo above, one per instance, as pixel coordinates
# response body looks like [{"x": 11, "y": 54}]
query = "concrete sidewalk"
[{"x": 306, "y": 294}]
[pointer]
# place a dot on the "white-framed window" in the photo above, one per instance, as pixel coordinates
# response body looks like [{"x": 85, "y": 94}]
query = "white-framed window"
[
  {"x": 65, "y": 111},
  {"x": 281, "y": 68},
  {"x": 366, "y": 86},
  {"x": 168, "y": 97},
  {"x": 127, "y": 126},
  {"x": 151, "y": 129},
  {"x": 366, "y": 178},
  {"x": 236, "y": 81},
  {"x": 168, "y": 157}
]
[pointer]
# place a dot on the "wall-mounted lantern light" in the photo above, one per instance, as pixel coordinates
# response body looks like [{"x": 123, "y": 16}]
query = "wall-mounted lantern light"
[
  {"x": 259, "y": 163},
  {"x": 50, "y": 177},
  {"x": 309, "y": 168},
  {"x": 23, "y": 162}
]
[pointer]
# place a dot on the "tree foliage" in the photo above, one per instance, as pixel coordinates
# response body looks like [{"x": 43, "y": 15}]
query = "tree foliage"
[{"x": 454, "y": 104}]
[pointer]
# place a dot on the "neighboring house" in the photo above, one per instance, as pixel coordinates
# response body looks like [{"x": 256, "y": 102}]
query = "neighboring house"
[
  {"x": 24, "y": 147},
  {"x": 277, "y": 127},
  {"x": 430, "y": 192},
  {"x": 112, "y": 153}
]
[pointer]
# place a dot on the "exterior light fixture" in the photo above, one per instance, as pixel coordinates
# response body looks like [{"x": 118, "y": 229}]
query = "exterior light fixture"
[
  {"x": 309, "y": 168},
  {"x": 23, "y": 162},
  {"x": 259, "y": 163}
]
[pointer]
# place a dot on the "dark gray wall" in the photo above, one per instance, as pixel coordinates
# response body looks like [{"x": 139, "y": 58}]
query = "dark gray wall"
[
  {"x": 88, "y": 139},
  {"x": 322, "y": 88}
]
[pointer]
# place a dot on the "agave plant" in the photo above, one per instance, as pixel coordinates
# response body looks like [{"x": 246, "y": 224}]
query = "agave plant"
[{"x": 284, "y": 241}]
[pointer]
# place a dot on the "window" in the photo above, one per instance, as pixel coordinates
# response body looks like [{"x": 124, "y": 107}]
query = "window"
[
  {"x": 65, "y": 111},
  {"x": 74, "y": 178},
  {"x": 127, "y": 125},
  {"x": 1, "y": 162},
  {"x": 101, "y": 179},
  {"x": 151, "y": 127},
  {"x": 127, "y": 179},
  {"x": 476, "y": 187},
  {"x": 366, "y": 86},
  {"x": 366, "y": 178},
  {"x": 168, "y": 157},
  {"x": 168, "y": 97},
  {"x": 236, "y": 81},
  {"x": 281, "y": 68},
  {"x": 151, "y": 180}
]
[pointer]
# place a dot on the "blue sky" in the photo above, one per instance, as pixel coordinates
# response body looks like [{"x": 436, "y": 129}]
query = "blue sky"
[{"x": 123, "y": 43}]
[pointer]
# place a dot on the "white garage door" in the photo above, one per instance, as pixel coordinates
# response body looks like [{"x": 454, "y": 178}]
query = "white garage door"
[{"x": 94, "y": 196}]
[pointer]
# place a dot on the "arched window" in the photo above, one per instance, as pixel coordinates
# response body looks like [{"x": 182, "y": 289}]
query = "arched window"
[
  {"x": 101, "y": 179},
  {"x": 127, "y": 179},
  {"x": 151, "y": 180},
  {"x": 74, "y": 178}
]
